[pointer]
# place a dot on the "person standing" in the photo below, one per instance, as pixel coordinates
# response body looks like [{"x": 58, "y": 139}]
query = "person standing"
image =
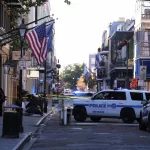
[{"x": 2, "y": 100}]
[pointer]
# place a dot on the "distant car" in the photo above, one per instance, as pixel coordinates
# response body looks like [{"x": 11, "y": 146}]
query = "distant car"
[{"x": 144, "y": 122}]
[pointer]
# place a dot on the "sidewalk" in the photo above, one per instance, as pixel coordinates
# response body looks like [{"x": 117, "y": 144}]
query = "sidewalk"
[{"x": 30, "y": 125}]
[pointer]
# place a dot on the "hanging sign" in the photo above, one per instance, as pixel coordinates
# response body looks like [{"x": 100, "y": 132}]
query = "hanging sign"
[{"x": 16, "y": 55}]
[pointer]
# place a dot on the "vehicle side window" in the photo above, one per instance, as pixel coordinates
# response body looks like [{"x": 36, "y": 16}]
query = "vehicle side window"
[
  {"x": 116, "y": 96},
  {"x": 147, "y": 96},
  {"x": 100, "y": 96},
  {"x": 136, "y": 96}
]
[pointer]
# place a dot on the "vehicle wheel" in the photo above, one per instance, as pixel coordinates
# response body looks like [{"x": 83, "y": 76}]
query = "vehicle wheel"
[
  {"x": 142, "y": 126},
  {"x": 95, "y": 118},
  {"x": 128, "y": 115},
  {"x": 80, "y": 114}
]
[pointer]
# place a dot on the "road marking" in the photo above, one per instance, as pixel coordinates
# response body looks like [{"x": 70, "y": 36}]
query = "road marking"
[
  {"x": 119, "y": 124},
  {"x": 101, "y": 133},
  {"x": 76, "y": 128},
  {"x": 143, "y": 136},
  {"x": 114, "y": 124}
]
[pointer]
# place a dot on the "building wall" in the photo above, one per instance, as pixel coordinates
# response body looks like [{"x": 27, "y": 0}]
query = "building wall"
[{"x": 142, "y": 42}]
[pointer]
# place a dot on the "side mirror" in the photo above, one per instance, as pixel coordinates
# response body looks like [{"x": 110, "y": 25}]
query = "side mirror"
[{"x": 144, "y": 102}]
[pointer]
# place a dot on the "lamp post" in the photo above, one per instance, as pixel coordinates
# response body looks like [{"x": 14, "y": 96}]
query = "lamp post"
[
  {"x": 22, "y": 31},
  {"x": 44, "y": 94},
  {"x": 6, "y": 72},
  {"x": 7, "y": 66},
  {"x": 58, "y": 66}
]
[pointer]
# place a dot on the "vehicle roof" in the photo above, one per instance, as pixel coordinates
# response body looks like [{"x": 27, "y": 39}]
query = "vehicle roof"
[{"x": 127, "y": 90}]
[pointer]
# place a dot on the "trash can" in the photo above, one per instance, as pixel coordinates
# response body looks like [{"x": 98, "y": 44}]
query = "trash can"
[{"x": 11, "y": 121}]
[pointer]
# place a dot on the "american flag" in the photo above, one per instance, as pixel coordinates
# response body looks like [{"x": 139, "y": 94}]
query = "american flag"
[
  {"x": 37, "y": 41},
  {"x": 98, "y": 60}
]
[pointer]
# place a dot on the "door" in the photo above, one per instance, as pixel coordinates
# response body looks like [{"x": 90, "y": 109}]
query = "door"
[
  {"x": 97, "y": 106},
  {"x": 115, "y": 101},
  {"x": 146, "y": 109}
]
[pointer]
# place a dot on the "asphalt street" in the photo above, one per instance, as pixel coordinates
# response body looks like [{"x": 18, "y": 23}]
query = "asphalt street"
[{"x": 108, "y": 134}]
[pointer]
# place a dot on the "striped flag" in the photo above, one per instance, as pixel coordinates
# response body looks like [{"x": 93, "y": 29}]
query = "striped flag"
[
  {"x": 99, "y": 60},
  {"x": 86, "y": 73},
  {"x": 37, "y": 41}
]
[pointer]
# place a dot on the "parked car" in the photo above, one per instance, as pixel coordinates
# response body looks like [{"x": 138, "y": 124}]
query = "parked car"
[
  {"x": 123, "y": 104},
  {"x": 144, "y": 122}
]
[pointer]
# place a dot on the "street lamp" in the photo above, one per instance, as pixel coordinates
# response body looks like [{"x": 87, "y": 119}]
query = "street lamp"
[
  {"x": 22, "y": 32},
  {"x": 7, "y": 66},
  {"x": 58, "y": 66}
]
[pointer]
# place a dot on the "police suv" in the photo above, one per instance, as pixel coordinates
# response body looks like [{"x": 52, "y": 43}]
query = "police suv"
[{"x": 123, "y": 104}]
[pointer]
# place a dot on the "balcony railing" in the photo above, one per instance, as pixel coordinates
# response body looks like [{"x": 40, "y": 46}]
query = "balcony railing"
[
  {"x": 145, "y": 16},
  {"x": 145, "y": 49},
  {"x": 121, "y": 63}
]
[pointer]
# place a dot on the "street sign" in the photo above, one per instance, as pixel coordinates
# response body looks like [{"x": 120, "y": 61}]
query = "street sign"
[
  {"x": 22, "y": 64},
  {"x": 143, "y": 72},
  {"x": 16, "y": 55},
  {"x": 33, "y": 74}
]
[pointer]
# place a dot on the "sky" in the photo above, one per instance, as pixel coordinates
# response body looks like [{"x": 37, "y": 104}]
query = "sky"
[{"x": 79, "y": 28}]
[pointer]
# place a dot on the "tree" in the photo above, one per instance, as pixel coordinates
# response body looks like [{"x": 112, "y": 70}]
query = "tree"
[
  {"x": 92, "y": 81},
  {"x": 71, "y": 74},
  {"x": 18, "y": 11}
]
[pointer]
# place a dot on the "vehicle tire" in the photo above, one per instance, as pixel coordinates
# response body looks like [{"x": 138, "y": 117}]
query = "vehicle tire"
[
  {"x": 128, "y": 115},
  {"x": 95, "y": 118},
  {"x": 142, "y": 126},
  {"x": 80, "y": 114}
]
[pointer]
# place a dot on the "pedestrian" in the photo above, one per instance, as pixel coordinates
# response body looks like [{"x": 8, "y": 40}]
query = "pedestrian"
[{"x": 2, "y": 100}]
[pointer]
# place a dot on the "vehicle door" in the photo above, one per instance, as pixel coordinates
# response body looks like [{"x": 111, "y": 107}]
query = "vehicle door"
[
  {"x": 135, "y": 103},
  {"x": 97, "y": 105},
  {"x": 115, "y": 101},
  {"x": 146, "y": 108}
]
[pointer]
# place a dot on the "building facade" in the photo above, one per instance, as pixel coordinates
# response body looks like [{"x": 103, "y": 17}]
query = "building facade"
[
  {"x": 117, "y": 68},
  {"x": 141, "y": 43}
]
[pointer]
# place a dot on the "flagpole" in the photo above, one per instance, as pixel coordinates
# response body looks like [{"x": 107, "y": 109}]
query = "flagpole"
[{"x": 45, "y": 100}]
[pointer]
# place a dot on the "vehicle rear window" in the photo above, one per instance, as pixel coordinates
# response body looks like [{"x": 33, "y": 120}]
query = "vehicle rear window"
[
  {"x": 136, "y": 96},
  {"x": 147, "y": 96}
]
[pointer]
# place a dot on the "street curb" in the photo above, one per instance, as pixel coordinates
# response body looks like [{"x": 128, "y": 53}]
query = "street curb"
[
  {"x": 28, "y": 136},
  {"x": 23, "y": 141},
  {"x": 43, "y": 118}
]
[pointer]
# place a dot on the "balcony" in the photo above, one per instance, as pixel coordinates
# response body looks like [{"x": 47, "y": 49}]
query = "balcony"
[
  {"x": 145, "y": 20},
  {"x": 120, "y": 62},
  {"x": 145, "y": 49},
  {"x": 101, "y": 73}
]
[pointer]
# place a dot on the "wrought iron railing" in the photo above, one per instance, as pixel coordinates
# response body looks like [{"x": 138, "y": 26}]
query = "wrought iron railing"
[{"x": 145, "y": 49}]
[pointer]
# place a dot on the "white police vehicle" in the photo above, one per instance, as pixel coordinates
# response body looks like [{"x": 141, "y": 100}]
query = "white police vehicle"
[
  {"x": 123, "y": 104},
  {"x": 144, "y": 122}
]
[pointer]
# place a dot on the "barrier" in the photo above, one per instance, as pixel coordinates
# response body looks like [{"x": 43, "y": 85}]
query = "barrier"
[{"x": 66, "y": 107}]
